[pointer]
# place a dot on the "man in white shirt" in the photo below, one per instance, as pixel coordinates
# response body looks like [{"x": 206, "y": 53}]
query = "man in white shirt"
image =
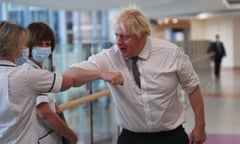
[{"x": 147, "y": 105}]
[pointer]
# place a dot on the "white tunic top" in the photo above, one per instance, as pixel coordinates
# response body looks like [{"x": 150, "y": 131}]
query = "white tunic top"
[
  {"x": 42, "y": 128},
  {"x": 156, "y": 106},
  {"x": 19, "y": 87},
  {"x": 47, "y": 135}
]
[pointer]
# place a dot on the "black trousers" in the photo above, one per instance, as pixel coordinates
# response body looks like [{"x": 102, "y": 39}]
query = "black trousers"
[
  {"x": 176, "y": 136},
  {"x": 217, "y": 67}
]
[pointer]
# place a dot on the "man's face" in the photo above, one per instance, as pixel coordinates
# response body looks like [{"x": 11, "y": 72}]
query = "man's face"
[{"x": 130, "y": 45}]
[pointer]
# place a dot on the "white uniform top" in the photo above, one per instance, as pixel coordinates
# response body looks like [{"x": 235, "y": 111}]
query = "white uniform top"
[
  {"x": 156, "y": 106},
  {"x": 47, "y": 135},
  {"x": 19, "y": 87}
]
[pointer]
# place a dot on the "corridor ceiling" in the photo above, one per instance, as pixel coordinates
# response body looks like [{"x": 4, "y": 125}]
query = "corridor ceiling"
[{"x": 152, "y": 8}]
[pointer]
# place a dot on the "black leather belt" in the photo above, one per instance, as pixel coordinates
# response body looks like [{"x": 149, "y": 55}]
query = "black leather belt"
[{"x": 128, "y": 132}]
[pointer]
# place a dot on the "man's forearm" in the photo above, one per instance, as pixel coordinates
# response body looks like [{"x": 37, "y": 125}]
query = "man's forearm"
[{"x": 82, "y": 76}]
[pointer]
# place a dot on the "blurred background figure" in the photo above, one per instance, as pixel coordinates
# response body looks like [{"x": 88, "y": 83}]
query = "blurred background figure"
[{"x": 218, "y": 48}]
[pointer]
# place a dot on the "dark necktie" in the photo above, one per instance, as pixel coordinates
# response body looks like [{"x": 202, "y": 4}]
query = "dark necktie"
[{"x": 135, "y": 70}]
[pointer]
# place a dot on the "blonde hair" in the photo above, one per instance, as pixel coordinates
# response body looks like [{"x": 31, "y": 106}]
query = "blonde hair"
[
  {"x": 11, "y": 36},
  {"x": 133, "y": 21}
]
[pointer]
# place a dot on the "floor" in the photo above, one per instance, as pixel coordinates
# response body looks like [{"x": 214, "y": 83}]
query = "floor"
[{"x": 222, "y": 105}]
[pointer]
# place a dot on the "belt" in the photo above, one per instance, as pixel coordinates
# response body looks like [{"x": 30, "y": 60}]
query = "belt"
[{"x": 128, "y": 132}]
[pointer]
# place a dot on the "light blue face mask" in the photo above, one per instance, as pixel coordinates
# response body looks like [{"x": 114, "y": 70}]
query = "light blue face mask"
[
  {"x": 25, "y": 53},
  {"x": 39, "y": 54},
  {"x": 21, "y": 60}
]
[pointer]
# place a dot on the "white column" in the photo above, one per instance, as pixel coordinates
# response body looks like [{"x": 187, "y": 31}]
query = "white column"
[{"x": 4, "y": 11}]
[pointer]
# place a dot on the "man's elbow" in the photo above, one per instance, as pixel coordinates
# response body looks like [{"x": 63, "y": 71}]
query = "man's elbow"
[{"x": 67, "y": 82}]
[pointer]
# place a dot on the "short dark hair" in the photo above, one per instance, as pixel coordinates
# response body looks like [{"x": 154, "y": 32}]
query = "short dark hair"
[{"x": 39, "y": 31}]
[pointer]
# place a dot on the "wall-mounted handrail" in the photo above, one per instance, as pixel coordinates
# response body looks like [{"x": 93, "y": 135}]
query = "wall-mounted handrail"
[
  {"x": 207, "y": 56},
  {"x": 84, "y": 99},
  {"x": 105, "y": 92}
]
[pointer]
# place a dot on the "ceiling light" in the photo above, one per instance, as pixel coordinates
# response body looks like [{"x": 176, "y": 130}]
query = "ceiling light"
[
  {"x": 160, "y": 22},
  {"x": 203, "y": 15},
  {"x": 166, "y": 20},
  {"x": 175, "y": 20}
]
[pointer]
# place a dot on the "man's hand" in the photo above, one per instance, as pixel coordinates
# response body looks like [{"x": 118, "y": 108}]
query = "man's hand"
[{"x": 114, "y": 78}]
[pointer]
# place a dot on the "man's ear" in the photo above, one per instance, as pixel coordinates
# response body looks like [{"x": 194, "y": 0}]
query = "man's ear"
[{"x": 143, "y": 36}]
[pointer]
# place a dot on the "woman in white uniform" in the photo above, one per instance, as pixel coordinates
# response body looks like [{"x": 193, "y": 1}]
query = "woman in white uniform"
[
  {"x": 20, "y": 85},
  {"x": 51, "y": 128}
]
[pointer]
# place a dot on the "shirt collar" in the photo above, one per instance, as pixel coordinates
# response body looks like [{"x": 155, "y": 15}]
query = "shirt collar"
[
  {"x": 33, "y": 64},
  {"x": 6, "y": 62},
  {"x": 144, "y": 54}
]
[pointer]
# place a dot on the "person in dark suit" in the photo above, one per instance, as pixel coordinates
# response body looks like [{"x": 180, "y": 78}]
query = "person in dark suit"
[{"x": 218, "y": 48}]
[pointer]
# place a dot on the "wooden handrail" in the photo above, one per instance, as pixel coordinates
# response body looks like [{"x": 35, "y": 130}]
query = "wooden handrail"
[
  {"x": 84, "y": 99},
  {"x": 105, "y": 92},
  {"x": 207, "y": 56}
]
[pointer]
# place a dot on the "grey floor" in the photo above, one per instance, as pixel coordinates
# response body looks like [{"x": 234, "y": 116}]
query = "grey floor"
[{"x": 222, "y": 106}]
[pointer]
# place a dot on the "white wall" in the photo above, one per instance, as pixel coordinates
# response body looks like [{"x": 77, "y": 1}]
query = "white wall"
[
  {"x": 236, "y": 42},
  {"x": 225, "y": 27},
  {"x": 197, "y": 31}
]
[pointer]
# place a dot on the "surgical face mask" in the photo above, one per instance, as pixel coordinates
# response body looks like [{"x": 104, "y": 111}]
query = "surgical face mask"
[
  {"x": 39, "y": 54},
  {"x": 25, "y": 53}
]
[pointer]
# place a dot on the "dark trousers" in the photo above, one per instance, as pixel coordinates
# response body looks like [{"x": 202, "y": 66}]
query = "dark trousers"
[
  {"x": 217, "y": 67},
  {"x": 176, "y": 136}
]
